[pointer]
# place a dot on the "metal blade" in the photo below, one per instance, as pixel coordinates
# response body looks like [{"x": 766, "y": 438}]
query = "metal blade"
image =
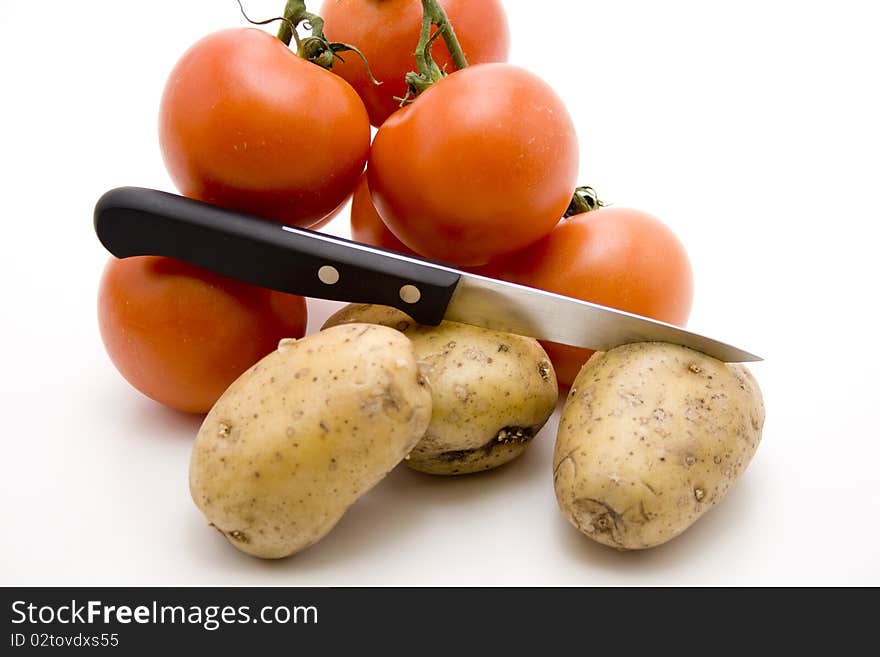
[{"x": 523, "y": 310}]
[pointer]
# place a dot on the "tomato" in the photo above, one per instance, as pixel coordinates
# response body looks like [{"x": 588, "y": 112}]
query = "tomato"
[
  {"x": 616, "y": 257},
  {"x": 181, "y": 335},
  {"x": 246, "y": 124},
  {"x": 367, "y": 227},
  {"x": 366, "y": 224},
  {"x": 482, "y": 163},
  {"x": 387, "y": 32},
  {"x": 330, "y": 217}
]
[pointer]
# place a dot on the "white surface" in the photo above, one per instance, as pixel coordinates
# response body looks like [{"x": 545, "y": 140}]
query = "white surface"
[{"x": 752, "y": 130}]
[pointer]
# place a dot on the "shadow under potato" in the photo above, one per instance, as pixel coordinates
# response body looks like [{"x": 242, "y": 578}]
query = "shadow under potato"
[
  {"x": 403, "y": 503},
  {"x": 700, "y": 538},
  {"x": 400, "y": 506}
]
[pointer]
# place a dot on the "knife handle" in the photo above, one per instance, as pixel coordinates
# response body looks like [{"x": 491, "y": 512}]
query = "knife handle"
[{"x": 133, "y": 221}]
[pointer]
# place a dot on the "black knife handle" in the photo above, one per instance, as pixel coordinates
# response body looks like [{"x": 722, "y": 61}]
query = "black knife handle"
[{"x": 133, "y": 221}]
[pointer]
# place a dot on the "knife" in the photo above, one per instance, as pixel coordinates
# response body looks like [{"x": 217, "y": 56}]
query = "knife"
[{"x": 134, "y": 221}]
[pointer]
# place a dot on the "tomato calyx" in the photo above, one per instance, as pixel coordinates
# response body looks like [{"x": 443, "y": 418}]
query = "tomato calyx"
[
  {"x": 433, "y": 15},
  {"x": 315, "y": 48},
  {"x": 585, "y": 199}
]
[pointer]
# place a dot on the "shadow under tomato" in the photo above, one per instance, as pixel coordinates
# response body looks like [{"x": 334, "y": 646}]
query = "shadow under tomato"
[{"x": 160, "y": 422}]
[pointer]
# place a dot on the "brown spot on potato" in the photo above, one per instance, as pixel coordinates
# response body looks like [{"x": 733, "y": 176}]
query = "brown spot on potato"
[
  {"x": 390, "y": 399},
  {"x": 592, "y": 514},
  {"x": 505, "y": 436},
  {"x": 544, "y": 370},
  {"x": 238, "y": 536}
]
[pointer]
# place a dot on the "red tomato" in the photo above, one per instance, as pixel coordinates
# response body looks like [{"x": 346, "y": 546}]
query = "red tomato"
[
  {"x": 330, "y": 217},
  {"x": 181, "y": 335},
  {"x": 246, "y": 124},
  {"x": 366, "y": 224},
  {"x": 482, "y": 163},
  {"x": 616, "y": 257},
  {"x": 387, "y": 32}
]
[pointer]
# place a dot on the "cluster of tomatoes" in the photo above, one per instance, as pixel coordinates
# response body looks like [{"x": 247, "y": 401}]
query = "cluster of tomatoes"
[{"x": 477, "y": 168}]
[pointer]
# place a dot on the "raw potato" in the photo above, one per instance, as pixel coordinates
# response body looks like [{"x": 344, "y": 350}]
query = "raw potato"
[
  {"x": 304, "y": 433},
  {"x": 492, "y": 392},
  {"x": 651, "y": 437}
]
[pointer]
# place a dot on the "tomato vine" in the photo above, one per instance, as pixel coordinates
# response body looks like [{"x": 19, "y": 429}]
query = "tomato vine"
[
  {"x": 433, "y": 15},
  {"x": 315, "y": 48}
]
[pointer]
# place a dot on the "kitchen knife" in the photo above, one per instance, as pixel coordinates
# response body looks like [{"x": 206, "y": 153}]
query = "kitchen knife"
[{"x": 133, "y": 221}]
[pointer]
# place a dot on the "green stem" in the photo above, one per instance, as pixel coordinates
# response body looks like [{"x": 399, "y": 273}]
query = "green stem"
[
  {"x": 315, "y": 47},
  {"x": 441, "y": 20},
  {"x": 428, "y": 68},
  {"x": 428, "y": 71},
  {"x": 315, "y": 24},
  {"x": 295, "y": 13},
  {"x": 584, "y": 200}
]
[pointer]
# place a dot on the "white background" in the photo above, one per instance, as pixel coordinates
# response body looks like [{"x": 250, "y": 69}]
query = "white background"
[{"x": 751, "y": 128}]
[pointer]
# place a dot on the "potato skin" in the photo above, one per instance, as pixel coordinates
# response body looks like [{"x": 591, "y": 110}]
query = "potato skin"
[
  {"x": 492, "y": 392},
  {"x": 651, "y": 437},
  {"x": 306, "y": 431}
]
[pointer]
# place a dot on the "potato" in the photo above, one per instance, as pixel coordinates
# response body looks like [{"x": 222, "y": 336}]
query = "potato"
[
  {"x": 492, "y": 392},
  {"x": 651, "y": 437},
  {"x": 304, "y": 433}
]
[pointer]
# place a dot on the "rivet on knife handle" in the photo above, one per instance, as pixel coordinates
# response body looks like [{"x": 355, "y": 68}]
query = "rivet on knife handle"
[{"x": 133, "y": 221}]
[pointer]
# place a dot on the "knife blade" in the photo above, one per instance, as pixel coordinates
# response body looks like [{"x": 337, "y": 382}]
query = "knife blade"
[{"x": 134, "y": 221}]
